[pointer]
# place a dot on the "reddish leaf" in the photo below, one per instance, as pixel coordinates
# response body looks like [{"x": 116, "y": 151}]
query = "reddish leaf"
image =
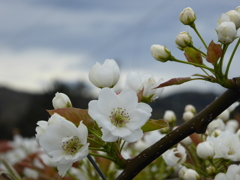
[
  {"x": 152, "y": 125},
  {"x": 174, "y": 81},
  {"x": 214, "y": 52},
  {"x": 74, "y": 115}
]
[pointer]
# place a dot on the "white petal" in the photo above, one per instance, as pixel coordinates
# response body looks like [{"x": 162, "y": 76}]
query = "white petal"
[
  {"x": 144, "y": 107},
  {"x": 82, "y": 133},
  {"x": 134, "y": 81},
  {"x": 128, "y": 99},
  {"x": 135, "y": 136},
  {"x": 62, "y": 168},
  {"x": 107, "y": 136},
  {"x": 121, "y": 132}
]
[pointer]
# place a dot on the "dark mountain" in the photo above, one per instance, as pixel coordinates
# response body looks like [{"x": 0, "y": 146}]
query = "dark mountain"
[{"x": 19, "y": 111}]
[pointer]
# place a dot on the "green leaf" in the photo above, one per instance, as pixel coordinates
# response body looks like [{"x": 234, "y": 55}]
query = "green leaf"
[
  {"x": 174, "y": 81},
  {"x": 74, "y": 115},
  {"x": 152, "y": 125}
]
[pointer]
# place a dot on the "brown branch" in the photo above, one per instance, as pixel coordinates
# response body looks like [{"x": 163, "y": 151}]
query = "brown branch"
[{"x": 197, "y": 124}]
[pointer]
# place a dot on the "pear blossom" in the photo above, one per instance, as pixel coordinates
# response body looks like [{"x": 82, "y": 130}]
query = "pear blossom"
[
  {"x": 183, "y": 40},
  {"x": 145, "y": 82},
  {"x": 234, "y": 17},
  {"x": 119, "y": 115},
  {"x": 215, "y": 124},
  {"x": 169, "y": 116},
  {"x": 233, "y": 106},
  {"x": 61, "y": 100},
  {"x": 224, "y": 115},
  {"x": 205, "y": 150},
  {"x": 233, "y": 173},
  {"x": 175, "y": 156},
  {"x": 226, "y": 145},
  {"x": 227, "y": 32},
  {"x": 105, "y": 75},
  {"x": 187, "y": 16},
  {"x": 63, "y": 142},
  {"x": 190, "y": 108},
  {"x": 232, "y": 125},
  {"x": 160, "y": 53},
  {"x": 187, "y": 115},
  {"x": 191, "y": 174},
  {"x": 223, "y": 18}
]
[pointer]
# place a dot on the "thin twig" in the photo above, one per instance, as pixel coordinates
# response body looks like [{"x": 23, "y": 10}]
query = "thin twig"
[{"x": 96, "y": 167}]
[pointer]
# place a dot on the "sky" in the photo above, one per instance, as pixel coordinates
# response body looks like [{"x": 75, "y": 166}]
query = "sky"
[{"x": 44, "y": 41}]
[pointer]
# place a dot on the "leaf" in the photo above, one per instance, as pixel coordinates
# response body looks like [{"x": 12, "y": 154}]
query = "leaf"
[
  {"x": 174, "y": 81},
  {"x": 193, "y": 55},
  {"x": 74, "y": 115},
  {"x": 152, "y": 125},
  {"x": 214, "y": 52}
]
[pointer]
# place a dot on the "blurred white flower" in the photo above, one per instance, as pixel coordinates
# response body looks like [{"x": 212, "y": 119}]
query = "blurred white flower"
[
  {"x": 190, "y": 108},
  {"x": 120, "y": 116},
  {"x": 223, "y": 18},
  {"x": 182, "y": 171},
  {"x": 30, "y": 173},
  {"x": 226, "y": 146},
  {"x": 187, "y": 16},
  {"x": 227, "y": 32},
  {"x": 233, "y": 173},
  {"x": 187, "y": 115},
  {"x": 191, "y": 174},
  {"x": 105, "y": 75},
  {"x": 64, "y": 142},
  {"x": 224, "y": 115},
  {"x": 160, "y": 53},
  {"x": 232, "y": 125},
  {"x": 183, "y": 40},
  {"x": 61, "y": 100},
  {"x": 234, "y": 17},
  {"x": 169, "y": 116},
  {"x": 205, "y": 150},
  {"x": 215, "y": 124},
  {"x": 145, "y": 82},
  {"x": 233, "y": 106},
  {"x": 175, "y": 156}
]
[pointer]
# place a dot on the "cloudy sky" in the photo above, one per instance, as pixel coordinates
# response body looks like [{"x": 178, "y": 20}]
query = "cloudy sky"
[{"x": 43, "y": 41}]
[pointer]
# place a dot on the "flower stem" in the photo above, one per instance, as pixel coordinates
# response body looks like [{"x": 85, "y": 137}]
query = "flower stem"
[
  {"x": 95, "y": 141},
  {"x": 103, "y": 156},
  {"x": 219, "y": 72},
  {"x": 196, "y": 31},
  {"x": 96, "y": 167},
  {"x": 97, "y": 149},
  {"x": 231, "y": 58}
]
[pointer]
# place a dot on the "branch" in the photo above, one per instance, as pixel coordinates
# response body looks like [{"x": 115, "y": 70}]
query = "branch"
[{"x": 197, "y": 124}]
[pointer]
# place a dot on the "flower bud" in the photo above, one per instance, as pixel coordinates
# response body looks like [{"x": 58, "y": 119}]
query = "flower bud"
[
  {"x": 187, "y": 16},
  {"x": 238, "y": 9},
  {"x": 205, "y": 150},
  {"x": 61, "y": 100},
  {"x": 187, "y": 115},
  {"x": 211, "y": 170},
  {"x": 224, "y": 115},
  {"x": 234, "y": 17},
  {"x": 232, "y": 125},
  {"x": 191, "y": 174},
  {"x": 227, "y": 32},
  {"x": 105, "y": 75},
  {"x": 190, "y": 108},
  {"x": 169, "y": 116},
  {"x": 223, "y": 18},
  {"x": 183, "y": 40},
  {"x": 160, "y": 53}
]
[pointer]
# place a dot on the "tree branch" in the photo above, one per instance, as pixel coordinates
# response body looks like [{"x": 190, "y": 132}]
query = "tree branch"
[{"x": 197, "y": 124}]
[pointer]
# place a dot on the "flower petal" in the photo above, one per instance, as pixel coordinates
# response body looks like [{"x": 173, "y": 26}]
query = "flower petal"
[
  {"x": 135, "y": 136},
  {"x": 107, "y": 136}
]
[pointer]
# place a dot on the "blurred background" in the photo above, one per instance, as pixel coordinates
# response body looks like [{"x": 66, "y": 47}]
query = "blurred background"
[{"x": 48, "y": 46}]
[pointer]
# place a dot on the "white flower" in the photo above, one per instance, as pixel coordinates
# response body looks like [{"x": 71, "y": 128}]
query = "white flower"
[
  {"x": 187, "y": 16},
  {"x": 146, "y": 82},
  {"x": 160, "y": 53},
  {"x": 190, "y": 174},
  {"x": 175, "y": 156},
  {"x": 238, "y": 9},
  {"x": 223, "y": 18},
  {"x": 215, "y": 124},
  {"x": 120, "y": 116},
  {"x": 169, "y": 116},
  {"x": 234, "y": 105},
  {"x": 233, "y": 173},
  {"x": 224, "y": 115},
  {"x": 227, "y": 32},
  {"x": 226, "y": 146},
  {"x": 190, "y": 108},
  {"x": 232, "y": 125},
  {"x": 183, "y": 40},
  {"x": 187, "y": 115},
  {"x": 205, "y": 150},
  {"x": 64, "y": 142},
  {"x": 234, "y": 17},
  {"x": 30, "y": 173},
  {"x": 61, "y": 100},
  {"x": 105, "y": 75}
]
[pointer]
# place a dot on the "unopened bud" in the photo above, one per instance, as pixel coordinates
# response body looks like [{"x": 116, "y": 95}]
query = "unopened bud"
[
  {"x": 187, "y": 115},
  {"x": 234, "y": 17},
  {"x": 183, "y": 40},
  {"x": 160, "y": 53},
  {"x": 169, "y": 116},
  {"x": 187, "y": 16},
  {"x": 61, "y": 100}
]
